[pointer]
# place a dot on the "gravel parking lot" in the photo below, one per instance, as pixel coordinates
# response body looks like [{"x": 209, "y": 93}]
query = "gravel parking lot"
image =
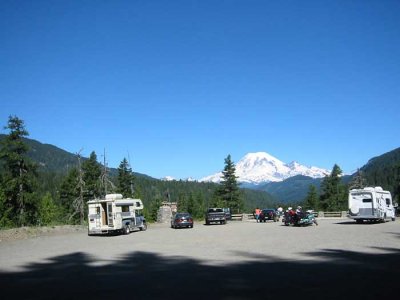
[{"x": 234, "y": 261}]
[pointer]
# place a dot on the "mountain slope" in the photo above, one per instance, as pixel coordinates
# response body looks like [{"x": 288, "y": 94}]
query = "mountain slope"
[
  {"x": 55, "y": 160},
  {"x": 384, "y": 171},
  {"x": 49, "y": 157},
  {"x": 261, "y": 167},
  {"x": 294, "y": 189}
]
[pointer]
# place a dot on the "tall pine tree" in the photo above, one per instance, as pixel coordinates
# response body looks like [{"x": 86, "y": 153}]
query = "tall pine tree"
[
  {"x": 125, "y": 180},
  {"x": 228, "y": 193},
  {"x": 312, "y": 200},
  {"x": 333, "y": 193},
  {"x": 18, "y": 178},
  {"x": 92, "y": 177}
]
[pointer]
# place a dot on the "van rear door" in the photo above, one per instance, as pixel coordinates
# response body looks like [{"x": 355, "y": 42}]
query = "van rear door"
[{"x": 361, "y": 204}]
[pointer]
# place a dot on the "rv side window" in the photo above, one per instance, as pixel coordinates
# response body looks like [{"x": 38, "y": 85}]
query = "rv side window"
[
  {"x": 137, "y": 204},
  {"x": 125, "y": 208},
  {"x": 98, "y": 210},
  {"x": 367, "y": 200},
  {"x": 388, "y": 201}
]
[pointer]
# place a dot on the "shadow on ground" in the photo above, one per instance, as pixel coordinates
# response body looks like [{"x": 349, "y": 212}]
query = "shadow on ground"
[{"x": 330, "y": 274}]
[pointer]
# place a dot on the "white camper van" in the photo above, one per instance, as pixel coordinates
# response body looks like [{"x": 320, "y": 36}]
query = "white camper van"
[
  {"x": 114, "y": 214},
  {"x": 372, "y": 204}
]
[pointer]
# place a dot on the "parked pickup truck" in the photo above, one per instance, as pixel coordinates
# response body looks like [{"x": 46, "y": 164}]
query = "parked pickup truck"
[{"x": 215, "y": 215}]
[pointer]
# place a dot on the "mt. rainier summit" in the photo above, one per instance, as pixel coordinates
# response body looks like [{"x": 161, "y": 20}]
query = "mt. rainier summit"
[{"x": 260, "y": 167}]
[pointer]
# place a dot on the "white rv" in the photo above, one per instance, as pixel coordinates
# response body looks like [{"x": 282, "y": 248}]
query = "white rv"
[
  {"x": 372, "y": 204},
  {"x": 114, "y": 214}
]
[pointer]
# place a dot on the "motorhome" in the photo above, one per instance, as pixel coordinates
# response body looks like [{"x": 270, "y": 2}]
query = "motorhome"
[
  {"x": 371, "y": 204},
  {"x": 115, "y": 214}
]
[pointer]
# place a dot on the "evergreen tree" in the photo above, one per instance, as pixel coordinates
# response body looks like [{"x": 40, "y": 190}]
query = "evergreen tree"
[
  {"x": 312, "y": 200},
  {"x": 5, "y": 211},
  {"x": 333, "y": 193},
  {"x": 182, "y": 202},
  {"x": 125, "y": 180},
  {"x": 396, "y": 193},
  {"x": 91, "y": 176},
  {"x": 228, "y": 195},
  {"x": 48, "y": 210},
  {"x": 191, "y": 205},
  {"x": 19, "y": 176},
  {"x": 199, "y": 206},
  {"x": 151, "y": 213}
]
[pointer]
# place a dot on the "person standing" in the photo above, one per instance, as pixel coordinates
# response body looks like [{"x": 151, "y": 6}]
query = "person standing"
[{"x": 258, "y": 211}]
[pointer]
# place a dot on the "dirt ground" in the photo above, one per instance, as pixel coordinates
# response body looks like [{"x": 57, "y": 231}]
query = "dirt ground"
[
  {"x": 24, "y": 233},
  {"x": 338, "y": 259}
]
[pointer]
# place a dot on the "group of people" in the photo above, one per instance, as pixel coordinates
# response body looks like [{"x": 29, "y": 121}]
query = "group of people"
[
  {"x": 298, "y": 211},
  {"x": 294, "y": 216},
  {"x": 290, "y": 215}
]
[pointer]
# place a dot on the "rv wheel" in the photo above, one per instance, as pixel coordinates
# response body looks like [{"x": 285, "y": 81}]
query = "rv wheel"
[
  {"x": 127, "y": 229},
  {"x": 144, "y": 227}
]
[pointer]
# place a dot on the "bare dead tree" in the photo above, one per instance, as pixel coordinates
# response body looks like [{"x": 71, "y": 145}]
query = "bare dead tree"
[
  {"x": 78, "y": 203},
  {"x": 106, "y": 183},
  {"x": 130, "y": 166},
  {"x": 358, "y": 181}
]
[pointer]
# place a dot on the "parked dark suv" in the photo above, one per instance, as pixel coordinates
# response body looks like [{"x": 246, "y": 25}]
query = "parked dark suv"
[
  {"x": 227, "y": 212},
  {"x": 268, "y": 214}
]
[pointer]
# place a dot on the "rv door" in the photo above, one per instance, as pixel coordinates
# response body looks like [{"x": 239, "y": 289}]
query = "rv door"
[
  {"x": 110, "y": 215},
  {"x": 361, "y": 204}
]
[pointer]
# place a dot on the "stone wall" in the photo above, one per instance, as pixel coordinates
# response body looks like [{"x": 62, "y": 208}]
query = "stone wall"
[{"x": 166, "y": 211}]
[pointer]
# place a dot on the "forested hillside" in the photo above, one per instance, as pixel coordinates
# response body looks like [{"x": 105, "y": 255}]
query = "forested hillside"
[
  {"x": 295, "y": 189},
  {"x": 291, "y": 190},
  {"x": 384, "y": 171}
]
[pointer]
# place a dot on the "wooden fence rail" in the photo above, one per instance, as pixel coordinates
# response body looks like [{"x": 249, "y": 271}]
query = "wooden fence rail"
[
  {"x": 321, "y": 214},
  {"x": 332, "y": 214},
  {"x": 238, "y": 217}
]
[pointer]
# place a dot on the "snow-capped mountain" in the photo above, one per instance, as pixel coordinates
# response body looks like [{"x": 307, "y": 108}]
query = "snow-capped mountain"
[
  {"x": 260, "y": 167},
  {"x": 170, "y": 178}
]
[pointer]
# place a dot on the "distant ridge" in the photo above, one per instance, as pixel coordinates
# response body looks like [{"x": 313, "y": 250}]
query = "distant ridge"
[{"x": 56, "y": 160}]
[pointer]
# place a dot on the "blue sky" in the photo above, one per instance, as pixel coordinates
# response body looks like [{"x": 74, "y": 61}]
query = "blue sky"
[{"x": 179, "y": 85}]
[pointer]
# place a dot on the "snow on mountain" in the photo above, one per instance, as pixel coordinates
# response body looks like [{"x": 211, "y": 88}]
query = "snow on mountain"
[
  {"x": 170, "y": 178},
  {"x": 261, "y": 167}
]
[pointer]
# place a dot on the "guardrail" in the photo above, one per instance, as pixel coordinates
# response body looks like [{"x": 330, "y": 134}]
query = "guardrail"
[
  {"x": 318, "y": 214},
  {"x": 331, "y": 214},
  {"x": 238, "y": 217}
]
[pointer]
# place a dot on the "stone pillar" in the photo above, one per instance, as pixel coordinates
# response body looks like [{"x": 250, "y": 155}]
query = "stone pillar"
[{"x": 165, "y": 212}]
